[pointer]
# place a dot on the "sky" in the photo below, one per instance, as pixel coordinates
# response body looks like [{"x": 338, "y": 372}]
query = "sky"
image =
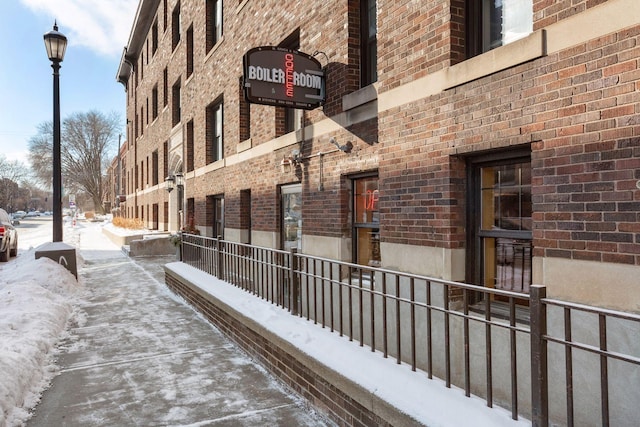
[
  {"x": 38, "y": 298},
  {"x": 96, "y": 30}
]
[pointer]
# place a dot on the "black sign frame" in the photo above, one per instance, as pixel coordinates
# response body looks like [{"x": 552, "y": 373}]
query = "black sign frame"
[{"x": 283, "y": 77}]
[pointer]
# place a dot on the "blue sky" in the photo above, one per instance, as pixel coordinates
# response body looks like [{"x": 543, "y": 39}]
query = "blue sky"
[{"x": 97, "y": 31}]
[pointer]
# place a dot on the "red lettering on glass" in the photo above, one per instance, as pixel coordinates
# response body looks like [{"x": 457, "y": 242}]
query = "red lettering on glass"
[
  {"x": 371, "y": 200},
  {"x": 288, "y": 74}
]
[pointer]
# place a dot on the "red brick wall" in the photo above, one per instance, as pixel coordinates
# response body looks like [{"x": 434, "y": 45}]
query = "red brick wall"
[
  {"x": 577, "y": 109},
  {"x": 547, "y": 12}
]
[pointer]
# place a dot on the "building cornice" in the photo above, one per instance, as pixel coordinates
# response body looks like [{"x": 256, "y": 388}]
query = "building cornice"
[{"x": 140, "y": 29}]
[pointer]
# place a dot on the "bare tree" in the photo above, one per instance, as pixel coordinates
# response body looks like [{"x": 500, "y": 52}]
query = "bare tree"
[
  {"x": 41, "y": 154},
  {"x": 87, "y": 140},
  {"x": 11, "y": 174},
  {"x": 14, "y": 170}
]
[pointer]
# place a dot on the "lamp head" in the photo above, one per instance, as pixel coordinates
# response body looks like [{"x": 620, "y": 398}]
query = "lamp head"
[
  {"x": 171, "y": 183},
  {"x": 56, "y": 44}
]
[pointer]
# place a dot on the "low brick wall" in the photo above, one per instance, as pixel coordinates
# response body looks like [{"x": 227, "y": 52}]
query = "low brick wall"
[
  {"x": 151, "y": 246},
  {"x": 342, "y": 400},
  {"x": 121, "y": 240}
]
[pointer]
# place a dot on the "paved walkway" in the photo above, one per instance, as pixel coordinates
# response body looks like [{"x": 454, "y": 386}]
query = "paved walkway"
[{"x": 142, "y": 357}]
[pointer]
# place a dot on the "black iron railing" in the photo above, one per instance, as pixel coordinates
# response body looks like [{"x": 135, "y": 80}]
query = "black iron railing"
[{"x": 521, "y": 351}]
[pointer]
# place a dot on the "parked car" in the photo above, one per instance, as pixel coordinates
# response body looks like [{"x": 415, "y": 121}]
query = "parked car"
[
  {"x": 19, "y": 214},
  {"x": 8, "y": 237}
]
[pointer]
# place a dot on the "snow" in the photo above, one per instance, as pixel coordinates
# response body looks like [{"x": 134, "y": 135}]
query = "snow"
[{"x": 38, "y": 300}]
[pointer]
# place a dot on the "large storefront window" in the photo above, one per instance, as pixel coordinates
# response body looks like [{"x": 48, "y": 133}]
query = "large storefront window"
[
  {"x": 291, "y": 225},
  {"x": 502, "y": 224},
  {"x": 366, "y": 221}
]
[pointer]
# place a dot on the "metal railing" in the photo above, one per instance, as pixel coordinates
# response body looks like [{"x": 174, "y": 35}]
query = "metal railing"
[{"x": 510, "y": 348}]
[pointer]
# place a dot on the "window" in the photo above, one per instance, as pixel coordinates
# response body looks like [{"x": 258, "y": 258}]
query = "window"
[
  {"x": 141, "y": 121},
  {"x": 154, "y": 168},
  {"x": 154, "y": 102},
  {"x": 191, "y": 214},
  {"x": 214, "y": 23},
  {"x": 292, "y": 119},
  {"x": 165, "y": 215},
  {"x": 165, "y": 159},
  {"x": 190, "y": 51},
  {"x": 154, "y": 37},
  {"x": 154, "y": 216},
  {"x": 215, "y": 145},
  {"x": 175, "y": 106},
  {"x": 245, "y": 216},
  {"x": 291, "y": 221},
  {"x": 368, "y": 42},
  {"x": 244, "y": 115},
  {"x": 499, "y": 244},
  {"x": 215, "y": 217},
  {"x": 164, "y": 12},
  {"x": 189, "y": 148},
  {"x": 175, "y": 26},
  {"x": 493, "y": 23},
  {"x": 165, "y": 87},
  {"x": 366, "y": 221}
]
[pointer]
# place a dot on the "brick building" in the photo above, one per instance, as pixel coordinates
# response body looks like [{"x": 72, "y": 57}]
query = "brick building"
[{"x": 496, "y": 143}]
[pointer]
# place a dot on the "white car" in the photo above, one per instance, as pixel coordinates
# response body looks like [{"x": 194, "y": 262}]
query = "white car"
[
  {"x": 19, "y": 214},
  {"x": 8, "y": 237}
]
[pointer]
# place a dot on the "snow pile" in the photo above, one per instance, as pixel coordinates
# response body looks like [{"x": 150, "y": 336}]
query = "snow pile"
[{"x": 36, "y": 302}]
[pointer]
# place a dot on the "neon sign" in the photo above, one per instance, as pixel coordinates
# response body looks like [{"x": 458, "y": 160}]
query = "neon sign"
[
  {"x": 288, "y": 82},
  {"x": 371, "y": 200}
]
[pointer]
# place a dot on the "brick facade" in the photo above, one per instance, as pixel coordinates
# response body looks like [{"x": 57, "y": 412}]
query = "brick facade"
[{"x": 571, "y": 96}]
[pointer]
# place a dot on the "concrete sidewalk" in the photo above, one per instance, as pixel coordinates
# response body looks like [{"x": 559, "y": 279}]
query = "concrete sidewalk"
[{"x": 142, "y": 357}]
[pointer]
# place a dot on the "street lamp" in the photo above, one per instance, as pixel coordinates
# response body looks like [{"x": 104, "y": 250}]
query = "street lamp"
[{"x": 56, "y": 44}]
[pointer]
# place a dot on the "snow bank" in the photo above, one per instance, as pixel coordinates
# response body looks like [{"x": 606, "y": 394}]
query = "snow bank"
[{"x": 36, "y": 302}]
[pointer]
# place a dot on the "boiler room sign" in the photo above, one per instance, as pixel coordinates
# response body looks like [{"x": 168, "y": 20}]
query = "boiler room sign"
[{"x": 283, "y": 77}]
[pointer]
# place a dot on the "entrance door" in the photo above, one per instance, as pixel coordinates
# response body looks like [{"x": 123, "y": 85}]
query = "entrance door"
[{"x": 291, "y": 220}]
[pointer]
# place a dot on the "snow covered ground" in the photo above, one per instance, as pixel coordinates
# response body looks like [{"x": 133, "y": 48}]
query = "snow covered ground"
[{"x": 38, "y": 299}]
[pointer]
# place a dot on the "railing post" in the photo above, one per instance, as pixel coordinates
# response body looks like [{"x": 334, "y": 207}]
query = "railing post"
[
  {"x": 293, "y": 280},
  {"x": 219, "y": 258},
  {"x": 539, "y": 375}
]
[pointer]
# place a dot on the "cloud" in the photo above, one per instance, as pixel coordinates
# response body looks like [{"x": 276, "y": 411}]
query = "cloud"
[{"x": 102, "y": 26}]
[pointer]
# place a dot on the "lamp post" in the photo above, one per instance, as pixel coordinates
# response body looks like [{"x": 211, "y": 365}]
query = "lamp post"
[
  {"x": 56, "y": 44},
  {"x": 60, "y": 252}
]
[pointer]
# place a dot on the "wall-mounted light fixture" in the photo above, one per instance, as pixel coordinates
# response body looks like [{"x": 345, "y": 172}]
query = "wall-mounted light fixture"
[
  {"x": 346, "y": 148},
  {"x": 170, "y": 181},
  {"x": 176, "y": 180},
  {"x": 290, "y": 162}
]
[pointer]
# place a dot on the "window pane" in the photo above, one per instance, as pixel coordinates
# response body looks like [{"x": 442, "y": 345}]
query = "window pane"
[
  {"x": 513, "y": 264},
  {"x": 517, "y": 19},
  {"x": 292, "y": 218},
  {"x": 368, "y": 246},
  {"x": 506, "y": 197},
  {"x": 508, "y": 20}
]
